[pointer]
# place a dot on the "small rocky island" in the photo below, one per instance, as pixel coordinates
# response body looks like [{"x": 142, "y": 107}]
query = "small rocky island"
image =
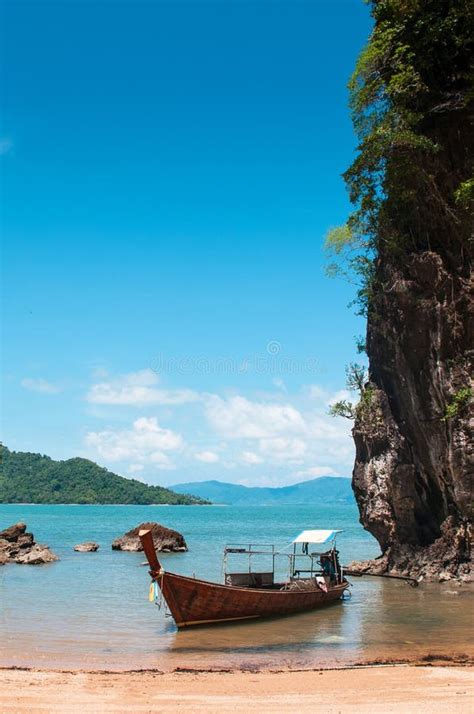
[
  {"x": 165, "y": 539},
  {"x": 88, "y": 547},
  {"x": 18, "y": 546}
]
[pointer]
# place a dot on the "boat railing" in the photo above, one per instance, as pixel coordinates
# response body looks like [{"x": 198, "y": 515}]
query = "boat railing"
[
  {"x": 250, "y": 548},
  {"x": 295, "y": 568},
  {"x": 269, "y": 549}
]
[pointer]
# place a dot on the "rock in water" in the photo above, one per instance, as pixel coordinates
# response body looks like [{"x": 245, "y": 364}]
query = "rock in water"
[
  {"x": 26, "y": 540},
  {"x": 18, "y": 546},
  {"x": 38, "y": 555},
  {"x": 5, "y": 545},
  {"x": 165, "y": 539},
  {"x": 88, "y": 547},
  {"x": 13, "y": 532}
]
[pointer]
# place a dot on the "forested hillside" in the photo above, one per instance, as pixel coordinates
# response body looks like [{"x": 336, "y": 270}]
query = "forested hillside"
[{"x": 33, "y": 478}]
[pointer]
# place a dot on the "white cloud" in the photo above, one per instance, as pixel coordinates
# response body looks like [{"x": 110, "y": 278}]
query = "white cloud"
[
  {"x": 240, "y": 418},
  {"x": 284, "y": 449},
  {"x": 326, "y": 398},
  {"x": 207, "y": 457},
  {"x": 138, "y": 389},
  {"x": 287, "y": 437},
  {"x": 316, "y": 392},
  {"x": 145, "y": 442},
  {"x": 249, "y": 457},
  {"x": 315, "y": 472},
  {"x": 40, "y": 385},
  {"x": 281, "y": 434},
  {"x": 160, "y": 459},
  {"x": 340, "y": 395}
]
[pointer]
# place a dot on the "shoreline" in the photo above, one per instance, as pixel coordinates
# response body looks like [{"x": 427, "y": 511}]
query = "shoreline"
[
  {"x": 368, "y": 688},
  {"x": 429, "y": 660}
]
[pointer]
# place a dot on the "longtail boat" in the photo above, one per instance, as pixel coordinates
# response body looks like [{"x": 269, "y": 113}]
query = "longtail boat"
[{"x": 249, "y": 595}]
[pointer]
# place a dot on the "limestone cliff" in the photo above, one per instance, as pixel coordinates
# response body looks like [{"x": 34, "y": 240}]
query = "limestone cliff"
[
  {"x": 413, "y": 105},
  {"x": 413, "y": 475}
]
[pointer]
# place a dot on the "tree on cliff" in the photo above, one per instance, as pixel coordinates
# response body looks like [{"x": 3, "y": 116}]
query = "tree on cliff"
[{"x": 409, "y": 242}]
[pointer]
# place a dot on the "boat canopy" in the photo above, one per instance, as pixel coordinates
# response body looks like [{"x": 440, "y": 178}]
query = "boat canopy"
[{"x": 315, "y": 536}]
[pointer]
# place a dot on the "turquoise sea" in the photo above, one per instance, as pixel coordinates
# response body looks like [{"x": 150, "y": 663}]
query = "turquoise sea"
[{"x": 91, "y": 610}]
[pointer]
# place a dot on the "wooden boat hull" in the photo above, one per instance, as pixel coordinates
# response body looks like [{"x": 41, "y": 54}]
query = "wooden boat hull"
[{"x": 198, "y": 602}]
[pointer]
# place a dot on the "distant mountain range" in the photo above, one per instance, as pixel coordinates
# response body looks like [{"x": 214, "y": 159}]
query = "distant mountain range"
[
  {"x": 34, "y": 478},
  {"x": 327, "y": 488}
]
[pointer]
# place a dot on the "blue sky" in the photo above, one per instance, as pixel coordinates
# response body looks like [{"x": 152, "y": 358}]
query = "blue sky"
[{"x": 169, "y": 173}]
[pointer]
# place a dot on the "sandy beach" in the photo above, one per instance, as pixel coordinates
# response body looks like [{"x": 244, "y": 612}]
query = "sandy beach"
[{"x": 399, "y": 688}]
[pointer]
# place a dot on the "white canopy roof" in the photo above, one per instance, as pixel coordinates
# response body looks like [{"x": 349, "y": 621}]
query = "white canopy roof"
[{"x": 315, "y": 536}]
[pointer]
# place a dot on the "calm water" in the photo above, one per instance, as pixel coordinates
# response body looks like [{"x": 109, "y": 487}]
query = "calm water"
[{"x": 91, "y": 610}]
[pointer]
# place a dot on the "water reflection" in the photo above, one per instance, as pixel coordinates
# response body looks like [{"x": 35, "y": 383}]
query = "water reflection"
[
  {"x": 298, "y": 631},
  {"x": 383, "y": 619}
]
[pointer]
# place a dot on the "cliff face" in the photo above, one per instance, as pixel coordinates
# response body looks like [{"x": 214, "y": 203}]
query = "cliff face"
[
  {"x": 413, "y": 474},
  {"x": 413, "y": 184}
]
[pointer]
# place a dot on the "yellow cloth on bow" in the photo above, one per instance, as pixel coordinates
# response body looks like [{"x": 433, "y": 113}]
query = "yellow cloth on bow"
[{"x": 151, "y": 592}]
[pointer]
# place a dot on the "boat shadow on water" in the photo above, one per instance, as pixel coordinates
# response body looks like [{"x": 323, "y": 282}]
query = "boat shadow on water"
[
  {"x": 297, "y": 632},
  {"x": 383, "y": 621}
]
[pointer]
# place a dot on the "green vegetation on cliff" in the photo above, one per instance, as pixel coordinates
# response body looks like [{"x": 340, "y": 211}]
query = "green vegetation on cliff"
[
  {"x": 33, "y": 478},
  {"x": 411, "y": 184},
  {"x": 411, "y": 98}
]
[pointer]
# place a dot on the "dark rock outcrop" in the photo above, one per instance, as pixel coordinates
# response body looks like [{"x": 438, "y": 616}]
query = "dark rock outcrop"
[
  {"x": 413, "y": 474},
  {"x": 25, "y": 540},
  {"x": 88, "y": 547},
  {"x": 18, "y": 546},
  {"x": 13, "y": 532},
  {"x": 165, "y": 539}
]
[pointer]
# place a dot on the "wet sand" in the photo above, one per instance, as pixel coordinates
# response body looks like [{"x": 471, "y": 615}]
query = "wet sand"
[{"x": 400, "y": 688}]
